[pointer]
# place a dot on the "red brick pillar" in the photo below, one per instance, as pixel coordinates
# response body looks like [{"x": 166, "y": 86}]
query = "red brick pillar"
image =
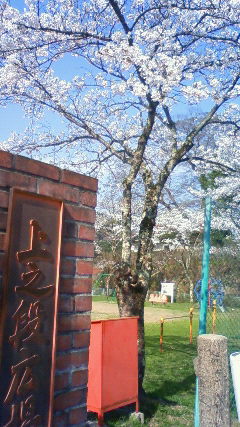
[{"x": 78, "y": 192}]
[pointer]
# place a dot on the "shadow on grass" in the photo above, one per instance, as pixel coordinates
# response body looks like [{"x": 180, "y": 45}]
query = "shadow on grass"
[
  {"x": 169, "y": 374},
  {"x": 171, "y": 343},
  {"x": 162, "y": 396},
  {"x": 171, "y": 388}
]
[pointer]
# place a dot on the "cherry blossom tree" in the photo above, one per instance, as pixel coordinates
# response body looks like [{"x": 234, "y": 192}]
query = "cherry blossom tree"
[{"x": 140, "y": 63}]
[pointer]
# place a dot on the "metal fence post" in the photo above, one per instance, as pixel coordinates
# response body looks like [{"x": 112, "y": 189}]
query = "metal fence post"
[{"x": 204, "y": 290}]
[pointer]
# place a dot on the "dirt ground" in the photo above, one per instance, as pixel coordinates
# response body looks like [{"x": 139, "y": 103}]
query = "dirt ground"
[{"x": 107, "y": 310}]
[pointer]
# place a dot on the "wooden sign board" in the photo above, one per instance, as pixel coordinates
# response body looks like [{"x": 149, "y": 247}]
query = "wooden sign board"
[
  {"x": 29, "y": 310},
  {"x": 168, "y": 289}
]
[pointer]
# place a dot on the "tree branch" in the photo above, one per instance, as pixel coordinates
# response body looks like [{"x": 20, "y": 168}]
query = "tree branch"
[
  {"x": 120, "y": 16},
  {"x": 212, "y": 162}
]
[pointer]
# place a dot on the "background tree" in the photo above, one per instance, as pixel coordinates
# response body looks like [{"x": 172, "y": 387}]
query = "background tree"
[
  {"x": 181, "y": 233},
  {"x": 138, "y": 63}
]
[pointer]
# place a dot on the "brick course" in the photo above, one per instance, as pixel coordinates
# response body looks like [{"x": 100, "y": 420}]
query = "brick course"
[
  {"x": 6, "y": 159},
  {"x": 73, "y": 322},
  {"x": 72, "y": 360},
  {"x": 10, "y": 179},
  {"x": 84, "y": 267},
  {"x": 83, "y": 303},
  {"x": 69, "y": 399},
  {"x": 64, "y": 342},
  {"x": 78, "y": 193},
  {"x": 77, "y": 285},
  {"x": 81, "y": 339},
  {"x": 79, "y": 377},
  {"x": 80, "y": 213},
  {"x": 59, "y": 191},
  {"x": 75, "y": 179},
  {"x": 78, "y": 249},
  {"x": 36, "y": 168},
  {"x": 88, "y": 199},
  {"x": 76, "y": 416},
  {"x": 86, "y": 233}
]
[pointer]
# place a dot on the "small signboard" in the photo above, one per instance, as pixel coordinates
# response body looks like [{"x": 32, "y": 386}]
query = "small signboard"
[
  {"x": 168, "y": 289},
  {"x": 29, "y": 311}
]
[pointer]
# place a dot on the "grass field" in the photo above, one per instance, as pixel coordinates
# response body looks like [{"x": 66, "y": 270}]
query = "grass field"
[{"x": 169, "y": 377}]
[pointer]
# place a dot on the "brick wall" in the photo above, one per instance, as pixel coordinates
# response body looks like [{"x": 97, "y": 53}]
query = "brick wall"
[{"x": 78, "y": 193}]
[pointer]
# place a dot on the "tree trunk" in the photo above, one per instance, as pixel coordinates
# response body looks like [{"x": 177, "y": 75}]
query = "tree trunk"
[
  {"x": 132, "y": 282},
  {"x": 126, "y": 222},
  {"x": 131, "y": 297},
  {"x": 191, "y": 289}
]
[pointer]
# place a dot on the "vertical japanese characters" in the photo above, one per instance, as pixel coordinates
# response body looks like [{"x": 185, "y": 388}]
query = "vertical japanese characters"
[{"x": 27, "y": 334}]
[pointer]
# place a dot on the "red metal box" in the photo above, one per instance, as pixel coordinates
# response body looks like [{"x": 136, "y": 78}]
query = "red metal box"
[{"x": 113, "y": 365}]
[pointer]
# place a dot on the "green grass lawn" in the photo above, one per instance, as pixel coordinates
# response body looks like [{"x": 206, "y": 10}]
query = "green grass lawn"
[{"x": 170, "y": 375}]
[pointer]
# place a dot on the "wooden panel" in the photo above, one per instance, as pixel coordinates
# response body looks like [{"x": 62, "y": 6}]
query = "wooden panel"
[{"x": 28, "y": 322}]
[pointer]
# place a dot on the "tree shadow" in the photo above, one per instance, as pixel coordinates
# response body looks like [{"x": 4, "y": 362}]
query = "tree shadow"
[
  {"x": 171, "y": 343},
  {"x": 162, "y": 396},
  {"x": 176, "y": 359}
]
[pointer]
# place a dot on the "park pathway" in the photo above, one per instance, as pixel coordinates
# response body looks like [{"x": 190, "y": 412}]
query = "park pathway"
[{"x": 107, "y": 310}]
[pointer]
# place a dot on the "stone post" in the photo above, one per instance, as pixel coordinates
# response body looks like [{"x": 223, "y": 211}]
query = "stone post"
[{"x": 211, "y": 367}]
